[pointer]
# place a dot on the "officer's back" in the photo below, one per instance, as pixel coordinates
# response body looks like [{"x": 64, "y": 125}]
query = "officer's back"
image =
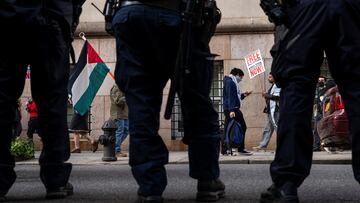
[{"x": 27, "y": 10}]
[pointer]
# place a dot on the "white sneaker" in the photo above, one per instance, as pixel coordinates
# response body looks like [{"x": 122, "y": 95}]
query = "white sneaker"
[
  {"x": 259, "y": 148},
  {"x": 246, "y": 153}
]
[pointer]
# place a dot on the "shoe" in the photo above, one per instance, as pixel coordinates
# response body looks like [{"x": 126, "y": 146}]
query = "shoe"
[
  {"x": 258, "y": 148},
  {"x": 94, "y": 145},
  {"x": 60, "y": 192},
  {"x": 76, "y": 150},
  {"x": 210, "y": 190},
  {"x": 246, "y": 153},
  {"x": 150, "y": 199},
  {"x": 120, "y": 155},
  {"x": 287, "y": 194}
]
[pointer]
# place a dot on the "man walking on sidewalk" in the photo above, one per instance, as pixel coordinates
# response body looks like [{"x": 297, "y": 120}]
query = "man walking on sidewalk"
[
  {"x": 272, "y": 97},
  {"x": 232, "y": 97},
  {"x": 119, "y": 113}
]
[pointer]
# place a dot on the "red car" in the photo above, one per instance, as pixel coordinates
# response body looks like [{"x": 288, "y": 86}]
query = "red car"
[{"x": 333, "y": 127}]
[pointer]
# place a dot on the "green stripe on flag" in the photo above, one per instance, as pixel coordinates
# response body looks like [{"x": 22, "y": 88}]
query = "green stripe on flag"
[{"x": 96, "y": 78}]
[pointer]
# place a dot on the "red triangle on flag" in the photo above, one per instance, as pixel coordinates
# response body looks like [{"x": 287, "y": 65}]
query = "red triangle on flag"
[{"x": 93, "y": 57}]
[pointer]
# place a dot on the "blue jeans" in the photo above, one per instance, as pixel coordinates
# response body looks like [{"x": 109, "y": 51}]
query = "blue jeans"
[
  {"x": 121, "y": 133},
  {"x": 269, "y": 129}
]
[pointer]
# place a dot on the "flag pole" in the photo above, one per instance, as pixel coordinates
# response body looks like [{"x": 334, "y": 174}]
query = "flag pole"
[
  {"x": 111, "y": 75},
  {"x": 82, "y": 36}
]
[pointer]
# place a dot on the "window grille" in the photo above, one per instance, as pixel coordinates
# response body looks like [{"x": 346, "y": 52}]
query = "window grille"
[{"x": 177, "y": 127}]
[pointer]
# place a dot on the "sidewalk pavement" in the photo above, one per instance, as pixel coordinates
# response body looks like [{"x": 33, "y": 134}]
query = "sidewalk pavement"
[{"x": 89, "y": 158}]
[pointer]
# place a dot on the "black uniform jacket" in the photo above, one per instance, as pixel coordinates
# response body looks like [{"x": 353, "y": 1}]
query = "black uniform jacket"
[{"x": 24, "y": 11}]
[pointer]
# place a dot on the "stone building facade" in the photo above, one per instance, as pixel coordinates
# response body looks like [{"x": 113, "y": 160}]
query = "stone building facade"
[{"x": 243, "y": 29}]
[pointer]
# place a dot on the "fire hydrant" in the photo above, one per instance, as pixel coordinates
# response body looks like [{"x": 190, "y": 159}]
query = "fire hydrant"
[{"x": 108, "y": 140}]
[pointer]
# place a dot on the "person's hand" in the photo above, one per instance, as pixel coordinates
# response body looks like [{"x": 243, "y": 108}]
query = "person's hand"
[
  {"x": 263, "y": 94},
  {"x": 232, "y": 114}
]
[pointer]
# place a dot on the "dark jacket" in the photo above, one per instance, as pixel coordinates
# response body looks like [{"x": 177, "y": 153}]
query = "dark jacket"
[
  {"x": 231, "y": 101},
  {"x": 268, "y": 96},
  {"x": 25, "y": 12}
]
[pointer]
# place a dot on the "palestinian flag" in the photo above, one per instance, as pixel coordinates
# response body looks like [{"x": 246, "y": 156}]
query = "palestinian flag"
[{"x": 86, "y": 79}]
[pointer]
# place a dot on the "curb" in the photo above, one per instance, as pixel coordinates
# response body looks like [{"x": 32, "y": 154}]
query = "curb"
[
  {"x": 246, "y": 161},
  {"x": 182, "y": 158}
]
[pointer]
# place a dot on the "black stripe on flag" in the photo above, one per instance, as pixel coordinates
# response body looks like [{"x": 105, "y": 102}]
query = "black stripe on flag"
[{"x": 80, "y": 65}]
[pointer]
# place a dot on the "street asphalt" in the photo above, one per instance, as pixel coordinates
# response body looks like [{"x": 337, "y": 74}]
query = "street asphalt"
[
  {"x": 331, "y": 179},
  {"x": 244, "y": 183}
]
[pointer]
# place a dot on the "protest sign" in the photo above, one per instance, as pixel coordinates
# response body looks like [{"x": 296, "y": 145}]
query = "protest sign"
[{"x": 254, "y": 63}]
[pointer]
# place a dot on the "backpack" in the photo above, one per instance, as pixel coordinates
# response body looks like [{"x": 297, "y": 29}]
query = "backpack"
[{"x": 234, "y": 135}]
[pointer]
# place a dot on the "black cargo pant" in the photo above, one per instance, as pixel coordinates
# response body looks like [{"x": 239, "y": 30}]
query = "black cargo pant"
[
  {"x": 147, "y": 43},
  {"x": 316, "y": 26},
  {"x": 42, "y": 44}
]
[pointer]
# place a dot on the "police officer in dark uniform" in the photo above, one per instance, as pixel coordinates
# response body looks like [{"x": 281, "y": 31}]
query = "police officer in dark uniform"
[
  {"x": 37, "y": 33},
  {"x": 311, "y": 27},
  {"x": 147, "y": 36}
]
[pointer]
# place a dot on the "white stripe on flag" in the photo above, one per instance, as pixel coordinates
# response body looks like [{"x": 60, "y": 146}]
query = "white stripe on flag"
[{"x": 81, "y": 83}]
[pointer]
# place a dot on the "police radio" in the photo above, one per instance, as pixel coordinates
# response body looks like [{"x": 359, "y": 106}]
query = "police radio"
[
  {"x": 110, "y": 8},
  {"x": 275, "y": 10}
]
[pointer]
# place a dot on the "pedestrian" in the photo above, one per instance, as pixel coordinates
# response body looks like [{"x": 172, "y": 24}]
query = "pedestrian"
[
  {"x": 33, "y": 124},
  {"x": 322, "y": 87},
  {"x": 317, "y": 112},
  {"x": 148, "y": 36},
  {"x": 37, "y": 33},
  {"x": 311, "y": 28},
  {"x": 272, "y": 97},
  {"x": 119, "y": 113},
  {"x": 232, "y": 99},
  {"x": 79, "y": 127},
  {"x": 17, "y": 127}
]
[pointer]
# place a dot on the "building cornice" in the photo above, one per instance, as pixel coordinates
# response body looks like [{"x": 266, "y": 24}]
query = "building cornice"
[
  {"x": 226, "y": 26},
  {"x": 244, "y": 25}
]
